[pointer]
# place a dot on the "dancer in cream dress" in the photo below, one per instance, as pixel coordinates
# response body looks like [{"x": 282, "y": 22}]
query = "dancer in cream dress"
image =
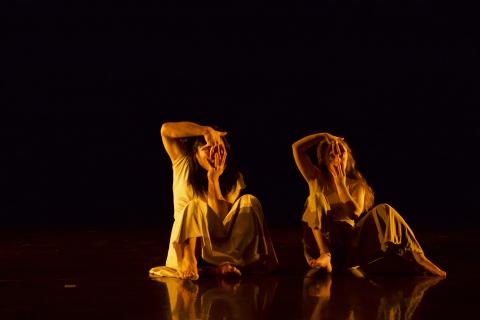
[
  {"x": 212, "y": 221},
  {"x": 342, "y": 228}
]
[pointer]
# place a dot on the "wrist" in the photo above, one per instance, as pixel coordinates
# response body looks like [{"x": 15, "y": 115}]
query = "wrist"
[
  {"x": 207, "y": 130},
  {"x": 210, "y": 176},
  {"x": 213, "y": 177},
  {"x": 212, "y": 183},
  {"x": 342, "y": 186}
]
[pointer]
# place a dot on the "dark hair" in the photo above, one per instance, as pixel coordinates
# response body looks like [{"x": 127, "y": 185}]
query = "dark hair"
[{"x": 197, "y": 177}]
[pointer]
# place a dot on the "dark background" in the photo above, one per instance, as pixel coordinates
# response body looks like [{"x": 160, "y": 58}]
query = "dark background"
[{"x": 87, "y": 86}]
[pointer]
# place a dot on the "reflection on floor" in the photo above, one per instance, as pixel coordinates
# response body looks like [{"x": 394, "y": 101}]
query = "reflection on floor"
[
  {"x": 103, "y": 274},
  {"x": 329, "y": 297},
  {"x": 324, "y": 297},
  {"x": 219, "y": 298}
]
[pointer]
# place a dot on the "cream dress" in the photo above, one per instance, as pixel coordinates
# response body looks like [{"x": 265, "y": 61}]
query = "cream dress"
[
  {"x": 378, "y": 233},
  {"x": 240, "y": 239}
]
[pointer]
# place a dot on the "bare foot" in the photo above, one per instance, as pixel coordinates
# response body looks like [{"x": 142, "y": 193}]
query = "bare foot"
[
  {"x": 428, "y": 265},
  {"x": 187, "y": 262},
  {"x": 227, "y": 269},
  {"x": 322, "y": 262}
]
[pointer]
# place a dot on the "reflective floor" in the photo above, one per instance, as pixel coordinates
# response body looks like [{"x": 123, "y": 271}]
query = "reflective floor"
[{"x": 102, "y": 274}]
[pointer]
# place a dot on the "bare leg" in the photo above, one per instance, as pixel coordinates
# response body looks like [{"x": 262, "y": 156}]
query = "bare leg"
[
  {"x": 324, "y": 260},
  {"x": 428, "y": 265},
  {"x": 186, "y": 259}
]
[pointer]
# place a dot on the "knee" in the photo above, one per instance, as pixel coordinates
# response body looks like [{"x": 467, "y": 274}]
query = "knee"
[
  {"x": 249, "y": 205},
  {"x": 388, "y": 209},
  {"x": 249, "y": 200},
  {"x": 384, "y": 206}
]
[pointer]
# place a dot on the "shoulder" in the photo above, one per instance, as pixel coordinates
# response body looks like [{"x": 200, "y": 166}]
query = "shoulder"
[
  {"x": 181, "y": 163},
  {"x": 315, "y": 185}
]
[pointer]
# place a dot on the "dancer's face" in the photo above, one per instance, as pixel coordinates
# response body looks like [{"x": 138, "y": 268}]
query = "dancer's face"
[
  {"x": 336, "y": 154},
  {"x": 203, "y": 156}
]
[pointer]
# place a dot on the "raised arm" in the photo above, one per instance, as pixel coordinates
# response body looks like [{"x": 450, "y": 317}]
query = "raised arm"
[
  {"x": 172, "y": 132},
  {"x": 304, "y": 164}
]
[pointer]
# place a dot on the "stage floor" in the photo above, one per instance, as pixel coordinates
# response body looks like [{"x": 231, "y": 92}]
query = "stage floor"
[{"x": 95, "y": 273}]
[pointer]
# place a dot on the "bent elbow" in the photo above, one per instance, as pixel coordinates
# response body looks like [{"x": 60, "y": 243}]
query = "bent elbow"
[
  {"x": 355, "y": 209},
  {"x": 295, "y": 148},
  {"x": 165, "y": 129},
  {"x": 357, "y": 214},
  {"x": 358, "y": 211},
  {"x": 299, "y": 148}
]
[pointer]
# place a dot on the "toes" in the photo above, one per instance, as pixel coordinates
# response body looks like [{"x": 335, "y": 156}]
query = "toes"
[
  {"x": 188, "y": 275},
  {"x": 226, "y": 269},
  {"x": 236, "y": 271},
  {"x": 329, "y": 268},
  {"x": 194, "y": 275}
]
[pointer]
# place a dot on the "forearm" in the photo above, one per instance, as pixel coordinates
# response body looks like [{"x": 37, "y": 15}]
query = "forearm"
[
  {"x": 183, "y": 129},
  {"x": 215, "y": 199},
  {"x": 309, "y": 141}
]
